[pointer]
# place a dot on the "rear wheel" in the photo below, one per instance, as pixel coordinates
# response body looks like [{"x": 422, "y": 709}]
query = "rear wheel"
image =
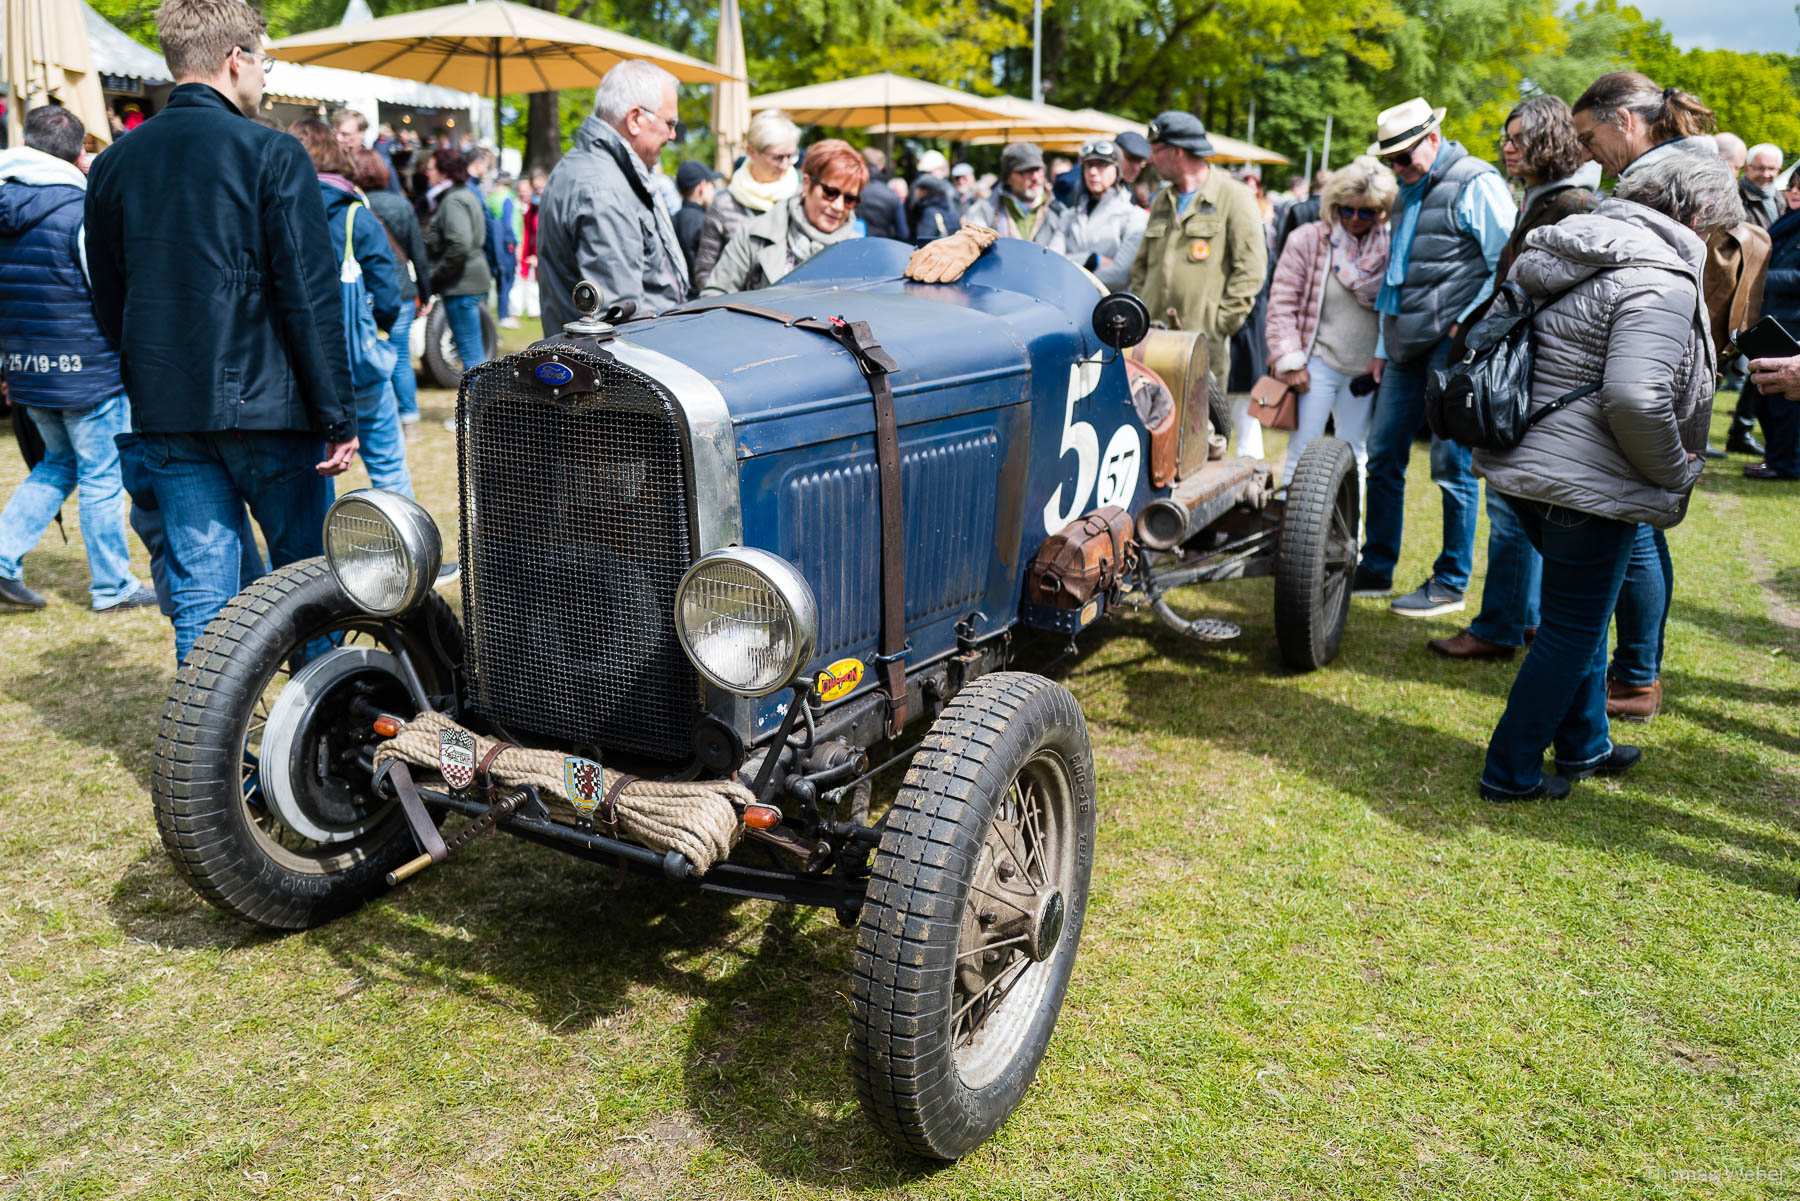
[
  {"x": 1317, "y": 556},
  {"x": 259, "y": 791},
  {"x": 443, "y": 366},
  {"x": 974, "y": 911}
]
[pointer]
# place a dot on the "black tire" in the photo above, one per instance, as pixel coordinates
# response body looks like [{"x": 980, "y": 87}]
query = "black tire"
[
  {"x": 942, "y": 1044},
  {"x": 1317, "y": 556},
  {"x": 218, "y": 824},
  {"x": 440, "y": 364},
  {"x": 1218, "y": 407}
]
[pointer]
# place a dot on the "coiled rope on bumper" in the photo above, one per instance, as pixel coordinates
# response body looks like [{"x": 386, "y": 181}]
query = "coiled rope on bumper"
[{"x": 696, "y": 818}]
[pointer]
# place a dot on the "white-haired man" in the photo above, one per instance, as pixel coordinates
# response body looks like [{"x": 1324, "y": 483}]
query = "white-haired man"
[
  {"x": 601, "y": 218},
  {"x": 1763, "y": 202}
]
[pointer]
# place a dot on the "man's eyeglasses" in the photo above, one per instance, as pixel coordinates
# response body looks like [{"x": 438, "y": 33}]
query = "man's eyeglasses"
[
  {"x": 677, "y": 130},
  {"x": 269, "y": 61},
  {"x": 1345, "y": 212},
  {"x": 780, "y": 156},
  {"x": 1400, "y": 158},
  {"x": 850, "y": 199}
]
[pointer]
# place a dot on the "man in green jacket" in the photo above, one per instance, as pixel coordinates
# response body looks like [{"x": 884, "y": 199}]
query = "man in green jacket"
[{"x": 1203, "y": 259}]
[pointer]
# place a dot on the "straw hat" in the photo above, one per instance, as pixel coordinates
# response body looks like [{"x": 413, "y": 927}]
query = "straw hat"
[{"x": 1403, "y": 125}]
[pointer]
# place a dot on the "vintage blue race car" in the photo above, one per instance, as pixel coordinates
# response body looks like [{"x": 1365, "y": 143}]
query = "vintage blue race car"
[{"x": 719, "y": 568}]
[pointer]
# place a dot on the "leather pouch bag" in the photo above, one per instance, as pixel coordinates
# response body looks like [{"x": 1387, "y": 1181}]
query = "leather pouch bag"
[
  {"x": 1274, "y": 404},
  {"x": 1088, "y": 556}
]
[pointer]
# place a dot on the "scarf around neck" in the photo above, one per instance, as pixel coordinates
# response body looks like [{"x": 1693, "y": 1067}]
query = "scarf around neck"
[
  {"x": 1359, "y": 262},
  {"x": 757, "y": 196},
  {"x": 1026, "y": 219},
  {"x": 1763, "y": 198},
  {"x": 805, "y": 239},
  {"x": 1412, "y": 199}
]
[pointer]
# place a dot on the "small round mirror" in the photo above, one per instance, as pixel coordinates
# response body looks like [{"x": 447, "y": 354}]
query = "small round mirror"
[
  {"x": 586, "y": 298},
  {"x": 1121, "y": 320}
]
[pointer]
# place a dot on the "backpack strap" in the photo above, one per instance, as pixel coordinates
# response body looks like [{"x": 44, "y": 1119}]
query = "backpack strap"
[
  {"x": 1561, "y": 402},
  {"x": 349, "y": 231}
]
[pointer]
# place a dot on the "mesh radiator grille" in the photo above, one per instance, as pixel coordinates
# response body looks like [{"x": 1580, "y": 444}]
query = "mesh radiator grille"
[{"x": 574, "y": 536}]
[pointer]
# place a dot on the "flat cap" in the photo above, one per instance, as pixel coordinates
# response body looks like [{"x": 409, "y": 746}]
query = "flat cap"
[
  {"x": 1020, "y": 156},
  {"x": 1133, "y": 143},
  {"x": 1181, "y": 129}
]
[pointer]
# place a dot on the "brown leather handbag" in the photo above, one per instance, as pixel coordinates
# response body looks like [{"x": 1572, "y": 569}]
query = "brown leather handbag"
[
  {"x": 1275, "y": 404},
  {"x": 1090, "y": 555}
]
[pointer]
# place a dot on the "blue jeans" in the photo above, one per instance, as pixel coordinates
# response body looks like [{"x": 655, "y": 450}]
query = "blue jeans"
[
  {"x": 1509, "y": 597},
  {"x": 147, "y": 524},
  {"x": 202, "y": 482},
  {"x": 1780, "y": 419},
  {"x": 406, "y": 383},
  {"x": 1559, "y": 696},
  {"x": 383, "y": 448},
  {"x": 79, "y": 457},
  {"x": 1399, "y": 408},
  {"x": 509, "y": 268},
  {"x": 1643, "y": 616},
  {"x": 464, "y": 315}
]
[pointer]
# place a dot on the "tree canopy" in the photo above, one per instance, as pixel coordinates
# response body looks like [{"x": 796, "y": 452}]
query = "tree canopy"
[{"x": 1294, "y": 60}]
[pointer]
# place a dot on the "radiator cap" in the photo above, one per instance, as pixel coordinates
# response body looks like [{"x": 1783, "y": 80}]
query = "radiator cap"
[{"x": 585, "y": 296}]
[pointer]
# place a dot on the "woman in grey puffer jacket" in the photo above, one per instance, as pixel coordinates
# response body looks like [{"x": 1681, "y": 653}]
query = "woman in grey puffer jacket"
[{"x": 1621, "y": 308}]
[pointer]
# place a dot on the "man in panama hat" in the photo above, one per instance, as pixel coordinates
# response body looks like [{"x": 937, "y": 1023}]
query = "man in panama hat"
[{"x": 1453, "y": 218}]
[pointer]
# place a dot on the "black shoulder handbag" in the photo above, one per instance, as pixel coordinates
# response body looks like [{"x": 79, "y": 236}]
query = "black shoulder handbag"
[{"x": 1483, "y": 400}]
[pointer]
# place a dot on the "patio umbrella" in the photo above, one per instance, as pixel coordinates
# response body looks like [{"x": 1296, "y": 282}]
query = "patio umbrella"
[
  {"x": 880, "y": 99},
  {"x": 731, "y": 99},
  {"x": 488, "y": 46},
  {"x": 1018, "y": 121},
  {"x": 47, "y": 60}
]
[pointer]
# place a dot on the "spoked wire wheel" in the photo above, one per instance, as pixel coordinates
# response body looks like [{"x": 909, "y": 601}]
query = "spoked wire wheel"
[
  {"x": 261, "y": 789},
  {"x": 973, "y": 914},
  {"x": 1013, "y": 923}
]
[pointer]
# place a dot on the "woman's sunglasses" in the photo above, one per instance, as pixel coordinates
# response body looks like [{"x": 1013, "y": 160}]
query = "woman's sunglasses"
[
  {"x": 850, "y": 199},
  {"x": 1345, "y": 212}
]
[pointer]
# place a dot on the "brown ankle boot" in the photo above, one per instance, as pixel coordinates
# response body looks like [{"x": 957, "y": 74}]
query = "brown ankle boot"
[{"x": 1633, "y": 702}]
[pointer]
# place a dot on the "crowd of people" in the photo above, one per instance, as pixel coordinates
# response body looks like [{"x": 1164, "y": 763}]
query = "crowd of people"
[{"x": 191, "y": 317}]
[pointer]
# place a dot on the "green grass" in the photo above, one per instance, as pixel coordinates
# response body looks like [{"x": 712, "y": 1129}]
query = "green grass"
[{"x": 1316, "y": 965}]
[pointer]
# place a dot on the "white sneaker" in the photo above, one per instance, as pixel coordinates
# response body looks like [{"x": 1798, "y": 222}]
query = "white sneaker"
[
  {"x": 448, "y": 573},
  {"x": 509, "y": 323}
]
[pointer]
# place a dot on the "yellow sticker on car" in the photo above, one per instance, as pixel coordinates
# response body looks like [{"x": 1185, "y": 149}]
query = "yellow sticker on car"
[{"x": 840, "y": 679}]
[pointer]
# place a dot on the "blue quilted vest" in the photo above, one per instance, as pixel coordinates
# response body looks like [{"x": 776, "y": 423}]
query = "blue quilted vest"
[
  {"x": 1447, "y": 269},
  {"x": 52, "y": 350}
]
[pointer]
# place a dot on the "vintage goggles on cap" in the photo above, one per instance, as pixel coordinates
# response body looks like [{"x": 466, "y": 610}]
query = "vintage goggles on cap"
[{"x": 1100, "y": 149}]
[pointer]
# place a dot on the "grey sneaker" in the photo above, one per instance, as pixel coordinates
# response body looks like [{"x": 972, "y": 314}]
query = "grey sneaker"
[
  {"x": 143, "y": 598},
  {"x": 14, "y": 592},
  {"x": 448, "y": 574},
  {"x": 1428, "y": 600}
]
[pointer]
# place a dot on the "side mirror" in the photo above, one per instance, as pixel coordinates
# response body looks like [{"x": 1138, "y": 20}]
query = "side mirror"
[{"x": 1121, "y": 320}]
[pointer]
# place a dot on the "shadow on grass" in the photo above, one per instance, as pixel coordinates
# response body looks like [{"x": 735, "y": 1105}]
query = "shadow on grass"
[
  {"x": 1384, "y": 760},
  {"x": 517, "y": 928},
  {"x": 94, "y": 691}
]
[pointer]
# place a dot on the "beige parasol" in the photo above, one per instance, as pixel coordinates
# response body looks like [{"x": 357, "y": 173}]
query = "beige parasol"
[
  {"x": 491, "y": 46},
  {"x": 731, "y": 99},
  {"x": 47, "y": 60},
  {"x": 880, "y": 99}
]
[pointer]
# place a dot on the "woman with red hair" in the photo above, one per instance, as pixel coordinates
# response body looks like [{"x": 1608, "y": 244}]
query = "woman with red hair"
[{"x": 823, "y": 212}]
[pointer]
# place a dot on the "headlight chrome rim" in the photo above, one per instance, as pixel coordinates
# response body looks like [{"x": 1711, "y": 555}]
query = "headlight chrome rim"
[
  {"x": 788, "y": 587},
  {"x": 369, "y": 525}
]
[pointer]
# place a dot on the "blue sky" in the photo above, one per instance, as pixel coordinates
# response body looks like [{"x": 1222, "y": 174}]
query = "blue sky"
[{"x": 1727, "y": 24}]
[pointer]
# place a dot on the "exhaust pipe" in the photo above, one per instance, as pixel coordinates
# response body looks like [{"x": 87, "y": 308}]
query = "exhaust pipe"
[{"x": 1196, "y": 502}]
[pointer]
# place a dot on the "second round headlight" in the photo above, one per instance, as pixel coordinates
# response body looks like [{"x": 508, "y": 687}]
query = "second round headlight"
[
  {"x": 747, "y": 620},
  {"x": 384, "y": 550}
]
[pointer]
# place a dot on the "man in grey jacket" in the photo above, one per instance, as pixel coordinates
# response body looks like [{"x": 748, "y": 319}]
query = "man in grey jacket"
[
  {"x": 1022, "y": 207},
  {"x": 601, "y": 218}
]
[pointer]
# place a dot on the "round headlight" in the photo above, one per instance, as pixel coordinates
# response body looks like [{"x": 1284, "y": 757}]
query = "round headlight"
[
  {"x": 384, "y": 550},
  {"x": 747, "y": 620}
]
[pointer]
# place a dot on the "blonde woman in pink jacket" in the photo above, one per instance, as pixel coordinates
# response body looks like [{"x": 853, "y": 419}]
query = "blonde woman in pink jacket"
[{"x": 1322, "y": 322}]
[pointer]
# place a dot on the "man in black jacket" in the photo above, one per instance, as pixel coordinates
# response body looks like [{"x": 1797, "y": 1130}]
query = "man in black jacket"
[{"x": 213, "y": 270}]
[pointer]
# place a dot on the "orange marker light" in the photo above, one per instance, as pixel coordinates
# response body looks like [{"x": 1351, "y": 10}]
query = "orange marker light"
[
  {"x": 761, "y": 817},
  {"x": 387, "y": 726}
]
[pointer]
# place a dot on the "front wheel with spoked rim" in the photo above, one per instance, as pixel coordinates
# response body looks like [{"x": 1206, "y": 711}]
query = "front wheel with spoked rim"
[
  {"x": 1316, "y": 559},
  {"x": 973, "y": 913},
  {"x": 260, "y": 790}
]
